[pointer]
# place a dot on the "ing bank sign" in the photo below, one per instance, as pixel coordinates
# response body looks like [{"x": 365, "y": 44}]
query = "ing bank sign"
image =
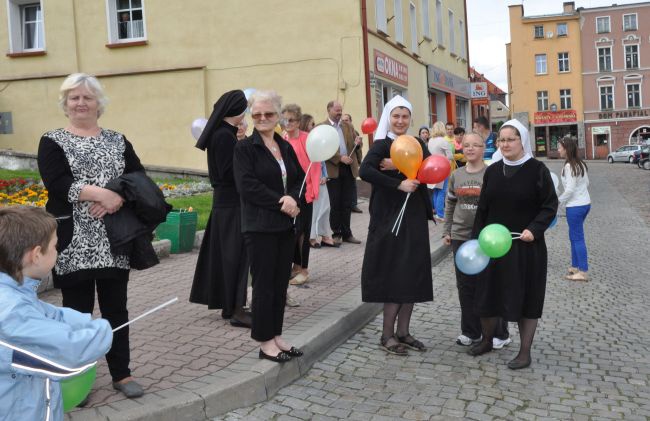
[{"x": 391, "y": 69}]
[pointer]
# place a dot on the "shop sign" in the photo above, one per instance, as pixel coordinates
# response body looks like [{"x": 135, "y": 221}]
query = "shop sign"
[
  {"x": 600, "y": 130},
  {"x": 551, "y": 117},
  {"x": 391, "y": 69},
  {"x": 623, "y": 114},
  {"x": 478, "y": 90},
  {"x": 438, "y": 78}
]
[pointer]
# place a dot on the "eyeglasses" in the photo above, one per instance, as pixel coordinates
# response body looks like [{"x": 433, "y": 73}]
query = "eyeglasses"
[
  {"x": 508, "y": 140},
  {"x": 293, "y": 120},
  {"x": 268, "y": 115}
]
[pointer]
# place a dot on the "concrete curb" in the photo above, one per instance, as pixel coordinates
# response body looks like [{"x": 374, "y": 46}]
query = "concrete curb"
[{"x": 249, "y": 380}]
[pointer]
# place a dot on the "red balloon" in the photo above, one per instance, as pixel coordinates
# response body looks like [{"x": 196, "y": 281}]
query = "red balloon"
[
  {"x": 434, "y": 169},
  {"x": 369, "y": 125}
]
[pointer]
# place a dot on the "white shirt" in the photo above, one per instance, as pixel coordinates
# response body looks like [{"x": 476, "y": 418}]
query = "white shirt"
[
  {"x": 343, "y": 150},
  {"x": 575, "y": 188}
]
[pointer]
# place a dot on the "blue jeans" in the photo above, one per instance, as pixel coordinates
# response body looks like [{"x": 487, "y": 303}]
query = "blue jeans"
[
  {"x": 575, "y": 216},
  {"x": 439, "y": 197}
]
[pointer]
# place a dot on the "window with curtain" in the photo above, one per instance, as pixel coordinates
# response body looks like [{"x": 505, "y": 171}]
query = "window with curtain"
[
  {"x": 452, "y": 37},
  {"x": 540, "y": 64},
  {"x": 426, "y": 23},
  {"x": 563, "y": 62},
  {"x": 129, "y": 19},
  {"x": 629, "y": 22},
  {"x": 633, "y": 95},
  {"x": 632, "y": 56},
  {"x": 606, "y": 97},
  {"x": 605, "y": 59},
  {"x": 399, "y": 22},
  {"x": 380, "y": 15},
  {"x": 31, "y": 18},
  {"x": 602, "y": 25},
  {"x": 542, "y": 100},
  {"x": 565, "y": 99}
]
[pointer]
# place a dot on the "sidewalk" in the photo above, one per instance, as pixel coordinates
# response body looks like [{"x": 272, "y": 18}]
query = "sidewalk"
[{"x": 194, "y": 365}]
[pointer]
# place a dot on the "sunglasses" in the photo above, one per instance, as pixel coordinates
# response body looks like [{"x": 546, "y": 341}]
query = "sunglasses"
[{"x": 267, "y": 115}]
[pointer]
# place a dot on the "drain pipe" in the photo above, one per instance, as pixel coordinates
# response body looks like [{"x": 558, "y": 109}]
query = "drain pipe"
[{"x": 366, "y": 64}]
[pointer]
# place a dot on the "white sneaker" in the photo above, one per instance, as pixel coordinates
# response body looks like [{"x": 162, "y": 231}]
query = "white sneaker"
[
  {"x": 292, "y": 302},
  {"x": 467, "y": 341},
  {"x": 500, "y": 343}
]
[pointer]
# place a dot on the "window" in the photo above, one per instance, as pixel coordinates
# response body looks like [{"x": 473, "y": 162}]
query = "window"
[
  {"x": 426, "y": 23},
  {"x": 606, "y": 97},
  {"x": 463, "y": 46},
  {"x": 414, "y": 28},
  {"x": 561, "y": 30},
  {"x": 632, "y": 56},
  {"x": 602, "y": 25},
  {"x": 539, "y": 31},
  {"x": 540, "y": 64},
  {"x": 126, "y": 20},
  {"x": 380, "y": 15},
  {"x": 629, "y": 22},
  {"x": 565, "y": 99},
  {"x": 439, "y": 22},
  {"x": 605, "y": 59},
  {"x": 633, "y": 95},
  {"x": 25, "y": 26},
  {"x": 563, "y": 62},
  {"x": 399, "y": 22},
  {"x": 452, "y": 37},
  {"x": 542, "y": 100}
]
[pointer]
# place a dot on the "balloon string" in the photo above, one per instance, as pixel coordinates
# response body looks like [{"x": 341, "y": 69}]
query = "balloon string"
[
  {"x": 301, "y": 187},
  {"x": 517, "y": 235},
  {"x": 355, "y": 146},
  {"x": 173, "y": 300},
  {"x": 400, "y": 216}
]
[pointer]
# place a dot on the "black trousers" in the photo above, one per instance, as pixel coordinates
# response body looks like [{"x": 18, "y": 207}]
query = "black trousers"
[
  {"x": 303, "y": 231},
  {"x": 111, "y": 295},
  {"x": 470, "y": 323},
  {"x": 340, "y": 192},
  {"x": 271, "y": 255}
]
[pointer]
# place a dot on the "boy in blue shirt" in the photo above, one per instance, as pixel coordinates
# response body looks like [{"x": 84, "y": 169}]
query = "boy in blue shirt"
[{"x": 40, "y": 344}]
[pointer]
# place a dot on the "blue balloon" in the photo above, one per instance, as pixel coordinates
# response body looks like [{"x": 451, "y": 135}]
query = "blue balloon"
[
  {"x": 553, "y": 223},
  {"x": 470, "y": 259}
]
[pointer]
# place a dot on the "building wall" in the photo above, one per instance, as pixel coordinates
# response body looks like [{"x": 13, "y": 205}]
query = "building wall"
[
  {"x": 195, "y": 51},
  {"x": 623, "y": 124}
]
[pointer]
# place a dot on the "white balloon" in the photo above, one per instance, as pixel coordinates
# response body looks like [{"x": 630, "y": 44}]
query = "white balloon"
[
  {"x": 197, "y": 127},
  {"x": 556, "y": 181},
  {"x": 248, "y": 92},
  {"x": 322, "y": 143}
]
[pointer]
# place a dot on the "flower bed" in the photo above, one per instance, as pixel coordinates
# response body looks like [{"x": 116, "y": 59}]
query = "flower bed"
[{"x": 21, "y": 191}]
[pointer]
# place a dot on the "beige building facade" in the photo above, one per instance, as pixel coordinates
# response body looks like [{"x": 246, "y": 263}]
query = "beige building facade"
[
  {"x": 164, "y": 64},
  {"x": 544, "y": 76}
]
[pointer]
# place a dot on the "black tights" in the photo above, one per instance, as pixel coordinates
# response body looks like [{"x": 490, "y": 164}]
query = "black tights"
[
  {"x": 400, "y": 312},
  {"x": 527, "y": 329}
]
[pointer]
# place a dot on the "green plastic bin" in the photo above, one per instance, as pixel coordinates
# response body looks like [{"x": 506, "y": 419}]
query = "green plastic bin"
[{"x": 180, "y": 229}]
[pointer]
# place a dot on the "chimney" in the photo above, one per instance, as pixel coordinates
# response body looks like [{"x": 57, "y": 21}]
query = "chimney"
[{"x": 569, "y": 6}]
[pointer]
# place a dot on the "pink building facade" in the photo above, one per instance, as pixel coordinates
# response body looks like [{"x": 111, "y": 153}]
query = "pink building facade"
[{"x": 615, "y": 75}]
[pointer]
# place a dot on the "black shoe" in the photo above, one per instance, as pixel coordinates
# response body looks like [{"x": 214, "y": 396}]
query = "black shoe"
[
  {"x": 294, "y": 352},
  {"x": 356, "y": 209},
  {"x": 518, "y": 364},
  {"x": 480, "y": 349},
  {"x": 282, "y": 357},
  {"x": 130, "y": 389},
  {"x": 334, "y": 244},
  {"x": 352, "y": 240},
  {"x": 234, "y": 322}
]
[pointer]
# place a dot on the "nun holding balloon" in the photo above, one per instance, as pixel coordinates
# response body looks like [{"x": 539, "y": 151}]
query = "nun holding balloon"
[
  {"x": 397, "y": 263},
  {"x": 517, "y": 193}
]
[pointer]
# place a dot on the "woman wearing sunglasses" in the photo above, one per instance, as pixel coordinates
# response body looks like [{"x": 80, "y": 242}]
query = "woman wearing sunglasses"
[{"x": 268, "y": 177}]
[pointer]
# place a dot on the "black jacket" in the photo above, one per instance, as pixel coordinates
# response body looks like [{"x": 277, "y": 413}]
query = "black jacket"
[
  {"x": 130, "y": 229},
  {"x": 259, "y": 182}
]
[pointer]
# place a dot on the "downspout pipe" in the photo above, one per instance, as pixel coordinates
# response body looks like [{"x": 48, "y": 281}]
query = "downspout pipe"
[{"x": 366, "y": 63}]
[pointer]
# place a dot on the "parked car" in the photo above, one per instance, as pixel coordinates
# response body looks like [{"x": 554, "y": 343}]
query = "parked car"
[{"x": 623, "y": 154}]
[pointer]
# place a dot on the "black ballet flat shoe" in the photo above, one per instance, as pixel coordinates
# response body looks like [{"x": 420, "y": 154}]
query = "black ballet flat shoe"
[
  {"x": 294, "y": 352},
  {"x": 282, "y": 357},
  {"x": 480, "y": 349},
  {"x": 518, "y": 365}
]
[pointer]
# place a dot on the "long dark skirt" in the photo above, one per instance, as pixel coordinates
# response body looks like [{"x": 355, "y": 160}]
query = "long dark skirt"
[
  {"x": 221, "y": 275},
  {"x": 303, "y": 230},
  {"x": 398, "y": 269}
]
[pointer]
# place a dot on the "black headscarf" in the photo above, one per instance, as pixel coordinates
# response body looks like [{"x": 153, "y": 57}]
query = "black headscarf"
[{"x": 231, "y": 104}]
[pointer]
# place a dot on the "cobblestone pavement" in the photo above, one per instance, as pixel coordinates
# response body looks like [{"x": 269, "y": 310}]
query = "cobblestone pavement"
[{"x": 590, "y": 356}]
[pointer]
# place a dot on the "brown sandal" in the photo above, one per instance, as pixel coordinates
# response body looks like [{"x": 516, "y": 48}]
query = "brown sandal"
[
  {"x": 412, "y": 343},
  {"x": 397, "y": 349}
]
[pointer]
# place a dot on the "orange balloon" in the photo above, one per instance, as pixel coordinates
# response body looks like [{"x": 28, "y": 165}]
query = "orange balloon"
[{"x": 406, "y": 154}]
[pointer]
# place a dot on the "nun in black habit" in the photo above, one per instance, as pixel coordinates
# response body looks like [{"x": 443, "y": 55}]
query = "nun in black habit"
[
  {"x": 221, "y": 276},
  {"x": 396, "y": 270}
]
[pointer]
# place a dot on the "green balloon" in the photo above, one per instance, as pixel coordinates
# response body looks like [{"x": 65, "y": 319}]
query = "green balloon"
[
  {"x": 495, "y": 240},
  {"x": 75, "y": 389}
]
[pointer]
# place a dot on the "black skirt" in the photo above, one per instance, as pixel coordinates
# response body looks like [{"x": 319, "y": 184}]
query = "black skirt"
[{"x": 221, "y": 275}]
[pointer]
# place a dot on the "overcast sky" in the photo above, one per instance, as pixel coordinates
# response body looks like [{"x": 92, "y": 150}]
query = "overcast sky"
[{"x": 489, "y": 30}]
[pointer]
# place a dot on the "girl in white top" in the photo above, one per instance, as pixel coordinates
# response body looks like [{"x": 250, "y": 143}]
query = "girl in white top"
[{"x": 578, "y": 203}]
